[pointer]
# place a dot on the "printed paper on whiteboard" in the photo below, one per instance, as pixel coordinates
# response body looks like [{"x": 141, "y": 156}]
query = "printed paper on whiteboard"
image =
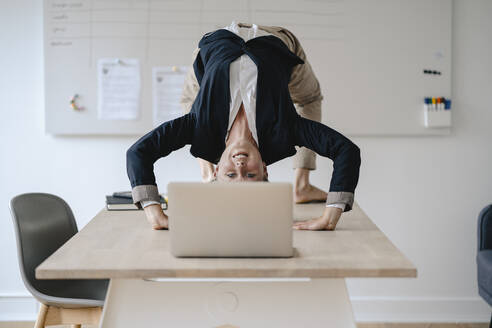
[
  {"x": 167, "y": 86},
  {"x": 118, "y": 93}
]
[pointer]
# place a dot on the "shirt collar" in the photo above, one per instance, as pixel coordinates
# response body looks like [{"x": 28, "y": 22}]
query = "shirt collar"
[{"x": 244, "y": 31}]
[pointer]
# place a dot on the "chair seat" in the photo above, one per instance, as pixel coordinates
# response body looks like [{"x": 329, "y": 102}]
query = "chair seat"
[
  {"x": 484, "y": 263},
  {"x": 71, "y": 293}
]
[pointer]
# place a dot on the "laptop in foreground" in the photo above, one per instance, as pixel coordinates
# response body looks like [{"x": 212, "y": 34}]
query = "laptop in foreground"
[{"x": 248, "y": 219}]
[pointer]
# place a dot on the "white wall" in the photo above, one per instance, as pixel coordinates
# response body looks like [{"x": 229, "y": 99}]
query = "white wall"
[{"x": 424, "y": 193}]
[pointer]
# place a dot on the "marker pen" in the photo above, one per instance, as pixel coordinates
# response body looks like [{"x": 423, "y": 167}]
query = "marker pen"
[
  {"x": 448, "y": 104},
  {"x": 427, "y": 103}
]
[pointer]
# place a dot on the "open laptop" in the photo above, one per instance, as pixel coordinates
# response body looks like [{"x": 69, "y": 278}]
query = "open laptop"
[{"x": 247, "y": 219}]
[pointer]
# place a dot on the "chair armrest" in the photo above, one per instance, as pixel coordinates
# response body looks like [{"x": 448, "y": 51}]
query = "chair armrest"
[{"x": 485, "y": 228}]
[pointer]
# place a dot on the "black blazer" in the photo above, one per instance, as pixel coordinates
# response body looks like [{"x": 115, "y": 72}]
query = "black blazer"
[{"x": 278, "y": 125}]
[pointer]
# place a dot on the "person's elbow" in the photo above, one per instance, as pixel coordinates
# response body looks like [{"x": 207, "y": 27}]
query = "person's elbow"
[
  {"x": 351, "y": 160},
  {"x": 131, "y": 155},
  {"x": 350, "y": 152},
  {"x": 134, "y": 164},
  {"x": 355, "y": 154}
]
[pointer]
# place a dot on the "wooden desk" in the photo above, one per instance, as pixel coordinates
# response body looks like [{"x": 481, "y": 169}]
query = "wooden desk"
[{"x": 213, "y": 292}]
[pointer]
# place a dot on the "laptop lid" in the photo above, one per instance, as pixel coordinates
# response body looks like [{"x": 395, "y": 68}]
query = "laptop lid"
[{"x": 247, "y": 219}]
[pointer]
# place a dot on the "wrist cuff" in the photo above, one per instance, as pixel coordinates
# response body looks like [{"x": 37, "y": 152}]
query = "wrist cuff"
[
  {"x": 341, "y": 197},
  {"x": 337, "y": 205},
  {"x": 145, "y": 192},
  {"x": 146, "y": 203}
]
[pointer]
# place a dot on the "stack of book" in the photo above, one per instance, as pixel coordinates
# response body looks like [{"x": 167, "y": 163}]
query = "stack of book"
[{"x": 123, "y": 201}]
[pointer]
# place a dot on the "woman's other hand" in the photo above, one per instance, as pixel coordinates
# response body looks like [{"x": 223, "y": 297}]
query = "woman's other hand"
[
  {"x": 328, "y": 221},
  {"x": 156, "y": 217}
]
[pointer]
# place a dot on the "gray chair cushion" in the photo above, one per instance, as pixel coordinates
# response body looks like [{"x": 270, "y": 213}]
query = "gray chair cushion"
[{"x": 72, "y": 293}]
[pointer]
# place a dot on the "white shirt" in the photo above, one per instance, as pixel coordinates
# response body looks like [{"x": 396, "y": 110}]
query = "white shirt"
[{"x": 243, "y": 76}]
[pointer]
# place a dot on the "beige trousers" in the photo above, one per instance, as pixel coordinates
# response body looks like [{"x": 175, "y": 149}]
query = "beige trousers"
[{"x": 304, "y": 90}]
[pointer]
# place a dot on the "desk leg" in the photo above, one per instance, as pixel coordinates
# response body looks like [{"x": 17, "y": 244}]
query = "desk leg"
[{"x": 242, "y": 303}]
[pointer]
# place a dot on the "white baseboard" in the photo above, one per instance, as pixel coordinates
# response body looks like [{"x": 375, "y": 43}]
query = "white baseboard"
[
  {"x": 18, "y": 307},
  {"x": 23, "y": 307},
  {"x": 434, "y": 310}
]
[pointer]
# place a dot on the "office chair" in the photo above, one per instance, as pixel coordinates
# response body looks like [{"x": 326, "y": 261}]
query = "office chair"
[
  {"x": 44, "y": 222},
  {"x": 484, "y": 255}
]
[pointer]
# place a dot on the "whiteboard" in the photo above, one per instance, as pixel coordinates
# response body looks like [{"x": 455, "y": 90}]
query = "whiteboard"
[{"x": 369, "y": 56}]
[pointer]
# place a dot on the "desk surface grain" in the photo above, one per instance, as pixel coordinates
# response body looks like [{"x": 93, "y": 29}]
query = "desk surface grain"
[{"x": 121, "y": 244}]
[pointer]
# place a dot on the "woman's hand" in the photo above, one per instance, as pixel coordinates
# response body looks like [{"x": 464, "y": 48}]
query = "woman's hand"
[
  {"x": 328, "y": 221},
  {"x": 156, "y": 217}
]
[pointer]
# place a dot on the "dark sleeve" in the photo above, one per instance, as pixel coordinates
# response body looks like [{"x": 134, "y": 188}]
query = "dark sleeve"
[
  {"x": 329, "y": 143},
  {"x": 198, "y": 67},
  {"x": 159, "y": 142}
]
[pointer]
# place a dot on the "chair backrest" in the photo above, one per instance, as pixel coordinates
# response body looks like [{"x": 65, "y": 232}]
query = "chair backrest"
[
  {"x": 485, "y": 228},
  {"x": 43, "y": 223}
]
